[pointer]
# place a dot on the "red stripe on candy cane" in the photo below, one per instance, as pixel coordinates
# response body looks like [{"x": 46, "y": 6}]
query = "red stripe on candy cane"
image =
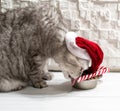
[
  {"x": 89, "y": 76},
  {"x": 100, "y": 67},
  {"x": 94, "y": 74},
  {"x": 83, "y": 78},
  {"x": 73, "y": 81},
  {"x": 86, "y": 77},
  {"x": 100, "y": 72},
  {"x": 97, "y": 73},
  {"x": 80, "y": 78}
]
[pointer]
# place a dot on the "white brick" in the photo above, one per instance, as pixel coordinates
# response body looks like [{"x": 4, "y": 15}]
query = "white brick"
[
  {"x": 103, "y": 34},
  {"x": 109, "y": 49},
  {"x": 115, "y": 25},
  {"x": 118, "y": 23},
  {"x": 8, "y": 4},
  {"x": 75, "y": 25},
  {"x": 83, "y": 14},
  {"x": 33, "y": 0},
  {"x": 118, "y": 6},
  {"x": 112, "y": 62},
  {"x": 66, "y": 14},
  {"x": 74, "y": 14},
  {"x": 105, "y": 25},
  {"x": 84, "y": 33},
  {"x": 84, "y": 25},
  {"x": 106, "y": 14},
  {"x": 105, "y": 62},
  {"x": 119, "y": 15},
  {"x": 112, "y": 7},
  {"x": 114, "y": 35},
  {"x": 73, "y": 6},
  {"x": 95, "y": 35},
  {"x": 24, "y": 4},
  {"x": 107, "y": 0},
  {"x": 64, "y": 5},
  {"x": 118, "y": 44},
  {"x": 84, "y": 6},
  {"x": 83, "y": 0}
]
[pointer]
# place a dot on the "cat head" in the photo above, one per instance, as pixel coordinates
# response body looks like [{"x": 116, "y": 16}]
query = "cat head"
[{"x": 71, "y": 65}]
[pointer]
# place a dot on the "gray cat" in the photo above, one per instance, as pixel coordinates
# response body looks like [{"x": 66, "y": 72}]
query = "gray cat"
[{"x": 28, "y": 37}]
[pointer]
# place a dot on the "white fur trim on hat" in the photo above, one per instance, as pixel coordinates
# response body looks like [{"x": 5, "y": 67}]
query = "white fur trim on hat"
[{"x": 74, "y": 49}]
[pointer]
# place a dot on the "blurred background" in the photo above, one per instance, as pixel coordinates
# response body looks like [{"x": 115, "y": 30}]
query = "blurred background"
[{"x": 97, "y": 20}]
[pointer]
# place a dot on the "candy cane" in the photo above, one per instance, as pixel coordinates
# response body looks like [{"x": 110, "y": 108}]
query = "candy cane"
[{"x": 101, "y": 70}]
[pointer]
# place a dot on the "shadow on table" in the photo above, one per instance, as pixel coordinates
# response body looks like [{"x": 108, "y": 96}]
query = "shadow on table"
[
  {"x": 50, "y": 90},
  {"x": 54, "y": 90}
]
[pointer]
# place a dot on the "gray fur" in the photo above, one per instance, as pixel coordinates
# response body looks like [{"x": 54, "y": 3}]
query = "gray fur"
[{"x": 28, "y": 37}]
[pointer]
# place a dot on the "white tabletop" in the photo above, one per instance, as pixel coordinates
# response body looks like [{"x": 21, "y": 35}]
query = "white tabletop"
[{"x": 60, "y": 96}]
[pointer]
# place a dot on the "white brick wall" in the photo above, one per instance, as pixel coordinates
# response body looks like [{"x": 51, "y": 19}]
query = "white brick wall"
[{"x": 98, "y": 20}]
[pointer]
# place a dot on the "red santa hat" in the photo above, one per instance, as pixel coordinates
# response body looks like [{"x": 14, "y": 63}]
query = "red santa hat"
[{"x": 86, "y": 50}]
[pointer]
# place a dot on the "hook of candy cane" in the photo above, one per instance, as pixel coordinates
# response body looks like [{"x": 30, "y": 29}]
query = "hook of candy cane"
[{"x": 101, "y": 70}]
